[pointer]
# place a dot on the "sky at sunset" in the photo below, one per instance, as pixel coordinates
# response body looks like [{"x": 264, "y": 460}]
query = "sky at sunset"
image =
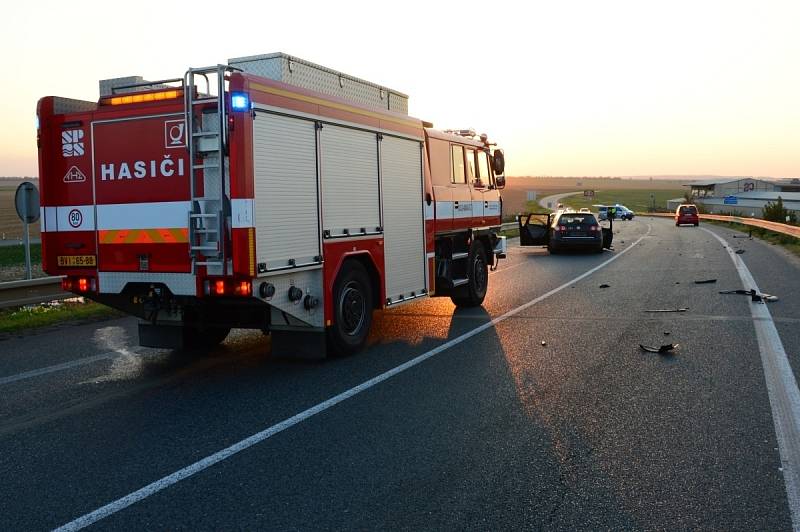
[{"x": 566, "y": 87}]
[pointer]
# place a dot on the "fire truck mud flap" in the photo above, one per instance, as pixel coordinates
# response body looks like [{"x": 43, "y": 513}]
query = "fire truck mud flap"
[
  {"x": 181, "y": 337},
  {"x": 303, "y": 345}
]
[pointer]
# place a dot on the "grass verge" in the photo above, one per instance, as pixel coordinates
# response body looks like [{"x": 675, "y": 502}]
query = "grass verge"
[
  {"x": 788, "y": 242},
  {"x": 34, "y": 316}
]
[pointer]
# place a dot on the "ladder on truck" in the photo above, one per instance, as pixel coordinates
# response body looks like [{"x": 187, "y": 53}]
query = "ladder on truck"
[{"x": 207, "y": 145}]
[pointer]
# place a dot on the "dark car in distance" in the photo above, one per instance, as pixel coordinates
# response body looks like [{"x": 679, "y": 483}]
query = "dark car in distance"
[
  {"x": 687, "y": 214},
  {"x": 575, "y": 231}
]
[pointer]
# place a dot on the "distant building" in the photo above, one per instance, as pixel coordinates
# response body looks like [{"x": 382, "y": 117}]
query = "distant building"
[{"x": 746, "y": 196}]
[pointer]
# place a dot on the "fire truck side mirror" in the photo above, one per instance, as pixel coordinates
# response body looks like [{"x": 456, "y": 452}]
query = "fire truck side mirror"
[
  {"x": 498, "y": 162},
  {"x": 499, "y": 167}
]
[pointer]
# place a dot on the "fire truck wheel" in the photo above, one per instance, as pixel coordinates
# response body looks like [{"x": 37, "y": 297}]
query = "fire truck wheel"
[
  {"x": 473, "y": 293},
  {"x": 205, "y": 338},
  {"x": 352, "y": 310}
]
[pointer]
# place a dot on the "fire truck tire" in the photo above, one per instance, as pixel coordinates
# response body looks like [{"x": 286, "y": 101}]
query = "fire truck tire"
[
  {"x": 352, "y": 310},
  {"x": 473, "y": 293},
  {"x": 205, "y": 338}
]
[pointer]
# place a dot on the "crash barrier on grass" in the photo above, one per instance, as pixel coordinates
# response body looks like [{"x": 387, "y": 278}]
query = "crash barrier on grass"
[
  {"x": 784, "y": 229},
  {"x": 32, "y": 291}
]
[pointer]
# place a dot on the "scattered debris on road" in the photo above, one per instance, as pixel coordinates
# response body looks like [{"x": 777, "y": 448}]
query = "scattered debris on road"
[
  {"x": 706, "y": 281},
  {"x": 544, "y": 343},
  {"x": 604, "y": 285},
  {"x": 739, "y": 251},
  {"x": 684, "y": 309},
  {"x": 666, "y": 333},
  {"x": 754, "y": 296},
  {"x": 666, "y": 348}
]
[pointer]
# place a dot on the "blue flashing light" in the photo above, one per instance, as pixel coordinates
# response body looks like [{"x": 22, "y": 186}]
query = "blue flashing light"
[{"x": 240, "y": 101}]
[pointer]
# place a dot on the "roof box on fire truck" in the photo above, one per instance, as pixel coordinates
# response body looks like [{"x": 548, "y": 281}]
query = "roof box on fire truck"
[{"x": 308, "y": 75}]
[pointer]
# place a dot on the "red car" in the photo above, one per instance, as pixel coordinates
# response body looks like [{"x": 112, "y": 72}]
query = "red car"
[{"x": 687, "y": 214}]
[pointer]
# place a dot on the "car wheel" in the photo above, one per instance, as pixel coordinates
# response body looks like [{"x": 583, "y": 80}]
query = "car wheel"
[
  {"x": 352, "y": 310},
  {"x": 473, "y": 293}
]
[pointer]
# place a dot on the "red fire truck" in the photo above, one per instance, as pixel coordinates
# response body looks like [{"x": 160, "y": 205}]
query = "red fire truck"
[{"x": 269, "y": 193}]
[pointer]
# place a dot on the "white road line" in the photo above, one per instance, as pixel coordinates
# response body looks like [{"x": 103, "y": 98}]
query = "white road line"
[
  {"x": 61, "y": 367},
  {"x": 784, "y": 396},
  {"x": 219, "y": 456}
]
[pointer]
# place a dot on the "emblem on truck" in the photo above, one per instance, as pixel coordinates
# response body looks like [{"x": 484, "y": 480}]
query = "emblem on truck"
[
  {"x": 72, "y": 143},
  {"x": 174, "y": 133},
  {"x": 74, "y": 175}
]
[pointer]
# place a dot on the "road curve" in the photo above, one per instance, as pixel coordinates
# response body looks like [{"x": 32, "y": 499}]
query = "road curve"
[
  {"x": 555, "y": 199},
  {"x": 536, "y": 411}
]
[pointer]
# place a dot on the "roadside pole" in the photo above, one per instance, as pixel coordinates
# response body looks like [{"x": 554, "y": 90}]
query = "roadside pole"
[
  {"x": 27, "y": 244},
  {"x": 26, "y": 200}
]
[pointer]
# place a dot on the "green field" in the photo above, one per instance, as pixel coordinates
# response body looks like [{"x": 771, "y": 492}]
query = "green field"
[
  {"x": 15, "y": 255},
  {"x": 637, "y": 200}
]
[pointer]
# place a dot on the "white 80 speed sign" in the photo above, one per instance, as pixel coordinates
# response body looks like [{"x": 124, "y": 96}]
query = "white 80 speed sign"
[{"x": 75, "y": 218}]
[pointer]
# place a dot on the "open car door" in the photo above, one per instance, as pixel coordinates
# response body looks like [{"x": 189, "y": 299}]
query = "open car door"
[{"x": 534, "y": 229}]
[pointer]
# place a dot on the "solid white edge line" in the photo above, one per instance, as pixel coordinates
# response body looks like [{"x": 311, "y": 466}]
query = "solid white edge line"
[
  {"x": 784, "y": 396},
  {"x": 167, "y": 481}
]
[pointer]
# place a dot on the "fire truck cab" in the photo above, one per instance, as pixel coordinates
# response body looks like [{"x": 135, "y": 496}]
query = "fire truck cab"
[{"x": 269, "y": 193}]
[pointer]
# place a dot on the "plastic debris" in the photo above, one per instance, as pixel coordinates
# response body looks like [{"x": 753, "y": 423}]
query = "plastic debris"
[
  {"x": 666, "y": 333},
  {"x": 544, "y": 343},
  {"x": 706, "y": 281},
  {"x": 684, "y": 309},
  {"x": 739, "y": 251},
  {"x": 604, "y": 285},
  {"x": 666, "y": 348},
  {"x": 754, "y": 296}
]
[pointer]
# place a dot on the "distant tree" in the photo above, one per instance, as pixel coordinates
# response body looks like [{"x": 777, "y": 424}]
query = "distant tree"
[
  {"x": 688, "y": 195},
  {"x": 775, "y": 212}
]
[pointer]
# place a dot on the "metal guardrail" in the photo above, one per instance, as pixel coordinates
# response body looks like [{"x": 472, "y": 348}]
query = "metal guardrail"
[
  {"x": 31, "y": 291},
  {"x": 508, "y": 225},
  {"x": 785, "y": 229}
]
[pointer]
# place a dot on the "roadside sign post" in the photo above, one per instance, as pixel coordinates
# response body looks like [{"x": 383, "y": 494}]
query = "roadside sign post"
[{"x": 26, "y": 200}]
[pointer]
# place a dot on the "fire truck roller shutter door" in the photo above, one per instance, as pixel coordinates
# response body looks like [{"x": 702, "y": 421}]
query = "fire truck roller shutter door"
[
  {"x": 286, "y": 208},
  {"x": 401, "y": 178},
  {"x": 350, "y": 190}
]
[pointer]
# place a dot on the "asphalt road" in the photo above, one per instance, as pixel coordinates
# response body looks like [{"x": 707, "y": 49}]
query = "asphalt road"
[{"x": 549, "y": 417}]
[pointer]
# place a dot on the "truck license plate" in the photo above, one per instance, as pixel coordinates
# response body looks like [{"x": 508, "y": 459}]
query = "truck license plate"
[{"x": 77, "y": 260}]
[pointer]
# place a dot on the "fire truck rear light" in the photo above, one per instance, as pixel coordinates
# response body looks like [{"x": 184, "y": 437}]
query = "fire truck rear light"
[
  {"x": 243, "y": 288},
  {"x": 240, "y": 101},
  {"x": 66, "y": 284},
  {"x": 219, "y": 287},
  {"x": 144, "y": 97},
  {"x": 83, "y": 284}
]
